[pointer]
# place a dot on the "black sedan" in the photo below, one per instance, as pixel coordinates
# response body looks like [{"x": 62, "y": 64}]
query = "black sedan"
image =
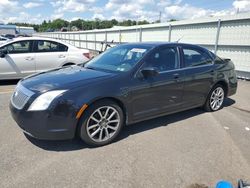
[{"x": 125, "y": 84}]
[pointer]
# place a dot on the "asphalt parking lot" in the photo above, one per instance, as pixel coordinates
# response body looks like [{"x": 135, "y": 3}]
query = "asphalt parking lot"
[{"x": 180, "y": 150}]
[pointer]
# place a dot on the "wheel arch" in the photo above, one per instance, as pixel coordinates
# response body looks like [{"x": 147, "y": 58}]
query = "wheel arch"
[
  {"x": 68, "y": 64},
  {"x": 117, "y": 101},
  {"x": 224, "y": 84}
]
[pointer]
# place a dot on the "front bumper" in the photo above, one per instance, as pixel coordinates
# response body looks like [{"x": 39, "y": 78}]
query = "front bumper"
[{"x": 45, "y": 125}]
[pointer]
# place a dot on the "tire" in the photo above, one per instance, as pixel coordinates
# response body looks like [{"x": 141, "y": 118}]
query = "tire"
[
  {"x": 215, "y": 99},
  {"x": 95, "y": 130}
]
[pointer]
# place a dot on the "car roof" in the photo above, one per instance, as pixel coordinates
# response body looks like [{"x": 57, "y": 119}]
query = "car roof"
[
  {"x": 36, "y": 38},
  {"x": 33, "y": 38},
  {"x": 156, "y": 44}
]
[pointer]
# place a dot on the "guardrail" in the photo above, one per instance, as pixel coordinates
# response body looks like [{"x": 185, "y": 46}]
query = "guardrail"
[{"x": 226, "y": 36}]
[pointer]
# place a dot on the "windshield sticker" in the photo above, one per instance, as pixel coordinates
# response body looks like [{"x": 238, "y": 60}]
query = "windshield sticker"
[{"x": 138, "y": 50}]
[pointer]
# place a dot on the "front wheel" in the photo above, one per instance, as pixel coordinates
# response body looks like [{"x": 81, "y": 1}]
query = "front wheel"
[
  {"x": 101, "y": 123},
  {"x": 215, "y": 99}
]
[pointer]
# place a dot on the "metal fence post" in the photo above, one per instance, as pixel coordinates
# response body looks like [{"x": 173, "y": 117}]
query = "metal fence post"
[
  {"x": 140, "y": 36},
  {"x": 79, "y": 40},
  {"x": 74, "y": 38},
  {"x": 86, "y": 40},
  {"x": 217, "y": 36},
  {"x": 120, "y": 36},
  {"x": 95, "y": 41},
  {"x": 169, "y": 32}
]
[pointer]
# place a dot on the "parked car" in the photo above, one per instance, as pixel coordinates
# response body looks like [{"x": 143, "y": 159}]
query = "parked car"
[
  {"x": 64, "y": 29},
  {"x": 24, "y": 56},
  {"x": 9, "y": 36},
  {"x": 123, "y": 85},
  {"x": 3, "y": 38}
]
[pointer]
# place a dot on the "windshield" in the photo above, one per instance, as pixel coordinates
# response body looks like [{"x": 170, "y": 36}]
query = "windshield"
[{"x": 120, "y": 59}]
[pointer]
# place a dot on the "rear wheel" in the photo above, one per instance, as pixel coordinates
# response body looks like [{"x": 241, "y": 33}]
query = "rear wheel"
[
  {"x": 215, "y": 99},
  {"x": 101, "y": 123}
]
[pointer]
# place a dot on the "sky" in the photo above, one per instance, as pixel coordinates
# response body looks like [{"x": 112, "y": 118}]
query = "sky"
[{"x": 35, "y": 11}]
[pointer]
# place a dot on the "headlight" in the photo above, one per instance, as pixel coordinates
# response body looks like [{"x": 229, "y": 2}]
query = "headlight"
[{"x": 43, "y": 101}]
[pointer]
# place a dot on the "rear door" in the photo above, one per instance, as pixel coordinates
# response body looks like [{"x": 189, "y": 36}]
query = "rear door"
[
  {"x": 199, "y": 75},
  {"x": 49, "y": 55},
  {"x": 19, "y": 62}
]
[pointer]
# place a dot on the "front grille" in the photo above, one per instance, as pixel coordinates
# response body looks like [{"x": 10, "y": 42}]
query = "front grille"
[{"x": 20, "y": 96}]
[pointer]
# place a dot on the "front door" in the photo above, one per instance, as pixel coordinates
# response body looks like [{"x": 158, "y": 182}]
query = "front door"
[
  {"x": 162, "y": 93},
  {"x": 19, "y": 62}
]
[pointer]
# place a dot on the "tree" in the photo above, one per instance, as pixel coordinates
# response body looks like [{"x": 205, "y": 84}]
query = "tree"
[{"x": 57, "y": 24}]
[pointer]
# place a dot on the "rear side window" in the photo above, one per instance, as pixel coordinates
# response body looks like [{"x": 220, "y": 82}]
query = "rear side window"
[
  {"x": 194, "y": 57},
  {"x": 18, "y": 47},
  {"x": 50, "y": 46}
]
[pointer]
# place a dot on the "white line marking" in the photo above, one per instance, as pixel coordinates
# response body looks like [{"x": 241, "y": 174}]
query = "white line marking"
[
  {"x": 247, "y": 128},
  {"x": 6, "y": 92}
]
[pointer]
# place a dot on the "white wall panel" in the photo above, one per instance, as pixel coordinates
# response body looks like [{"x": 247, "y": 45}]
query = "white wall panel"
[
  {"x": 130, "y": 36},
  {"x": 235, "y": 33},
  {"x": 161, "y": 34},
  {"x": 233, "y": 40},
  {"x": 197, "y": 34}
]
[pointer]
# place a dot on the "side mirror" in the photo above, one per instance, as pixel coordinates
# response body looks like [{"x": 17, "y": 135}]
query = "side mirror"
[
  {"x": 149, "y": 72},
  {"x": 3, "y": 53}
]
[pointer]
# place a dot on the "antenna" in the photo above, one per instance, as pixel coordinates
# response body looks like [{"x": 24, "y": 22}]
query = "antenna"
[{"x": 179, "y": 39}]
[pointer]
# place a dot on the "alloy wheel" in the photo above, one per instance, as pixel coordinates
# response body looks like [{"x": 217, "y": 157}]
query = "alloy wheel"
[
  {"x": 103, "y": 123},
  {"x": 217, "y": 98}
]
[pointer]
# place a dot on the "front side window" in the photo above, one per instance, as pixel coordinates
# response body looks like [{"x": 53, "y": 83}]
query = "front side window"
[
  {"x": 119, "y": 59},
  {"x": 193, "y": 57},
  {"x": 163, "y": 59},
  {"x": 18, "y": 47},
  {"x": 50, "y": 46}
]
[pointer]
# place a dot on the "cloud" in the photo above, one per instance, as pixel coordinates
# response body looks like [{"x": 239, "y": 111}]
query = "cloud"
[
  {"x": 185, "y": 11},
  {"x": 56, "y": 16},
  {"x": 10, "y": 6},
  {"x": 128, "y": 9},
  {"x": 242, "y": 5},
  {"x": 24, "y": 17},
  {"x": 32, "y": 5},
  {"x": 72, "y": 5},
  {"x": 98, "y": 16},
  {"x": 13, "y": 10}
]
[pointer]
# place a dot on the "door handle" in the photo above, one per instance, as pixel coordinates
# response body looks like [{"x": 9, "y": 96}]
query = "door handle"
[
  {"x": 176, "y": 76},
  {"x": 61, "y": 56},
  {"x": 212, "y": 72},
  {"x": 29, "y": 58}
]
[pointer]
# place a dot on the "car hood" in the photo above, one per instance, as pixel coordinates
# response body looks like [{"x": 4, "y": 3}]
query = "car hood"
[{"x": 63, "y": 78}]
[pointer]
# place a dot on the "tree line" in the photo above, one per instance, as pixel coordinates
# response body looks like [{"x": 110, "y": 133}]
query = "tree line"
[{"x": 80, "y": 24}]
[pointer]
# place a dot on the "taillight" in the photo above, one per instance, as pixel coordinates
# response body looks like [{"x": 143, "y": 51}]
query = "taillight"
[{"x": 87, "y": 55}]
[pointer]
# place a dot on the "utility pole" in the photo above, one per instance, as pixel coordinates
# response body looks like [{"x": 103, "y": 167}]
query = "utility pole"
[{"x": 160, "y": 17}]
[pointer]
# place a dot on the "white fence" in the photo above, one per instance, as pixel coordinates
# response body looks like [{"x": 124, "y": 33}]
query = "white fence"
[{"x": 226, "y": 36}]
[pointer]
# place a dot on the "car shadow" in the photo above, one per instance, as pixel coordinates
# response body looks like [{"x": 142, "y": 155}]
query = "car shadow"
[
  {"x": 228, "y": 102},
  {"x": 77, "y": 144},
  {"x": 8, "y": 82}
]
